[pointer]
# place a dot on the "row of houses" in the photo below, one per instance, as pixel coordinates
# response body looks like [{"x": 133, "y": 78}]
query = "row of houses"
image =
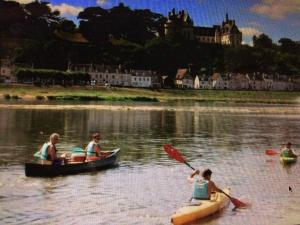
[
  {"x": 116, "y": 76},
  {"x": 236, "y": 81},
  {"x": 107, "y": 75}
]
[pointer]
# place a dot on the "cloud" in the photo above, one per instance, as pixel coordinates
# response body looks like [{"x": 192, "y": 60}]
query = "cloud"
[
  {"x": 249, "y": 31},
  {"x": 277, "y": 9},
  {"x": 66, "y": 10},
  {"x": 249, "y": 43},
  {"x": 101, "y": 2}
]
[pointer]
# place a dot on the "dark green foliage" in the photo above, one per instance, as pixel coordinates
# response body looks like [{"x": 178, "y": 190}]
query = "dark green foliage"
[
  {"x": 51, "y": 77},
  {"x": 7, "y": 96},
  {"x": 32, "y": 20},
  {"x": 16, "y": 97},
  {"x": 99, "y": 98},
  {"x": 40, "y": 97},
  {"x": 98, "y": 25},
  {"x": 262, "y": 41}
]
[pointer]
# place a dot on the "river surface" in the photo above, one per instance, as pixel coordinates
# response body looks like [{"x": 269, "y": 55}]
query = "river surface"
[{"x": 148, "y": 186}]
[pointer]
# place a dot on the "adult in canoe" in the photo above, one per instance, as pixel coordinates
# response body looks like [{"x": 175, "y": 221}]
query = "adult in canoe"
[
  {"x": 203, "y": 188},
  {"x": 287, "y": 151},
  {"x": 93, "y": 149},
  {"x": 48, "y": 150}
]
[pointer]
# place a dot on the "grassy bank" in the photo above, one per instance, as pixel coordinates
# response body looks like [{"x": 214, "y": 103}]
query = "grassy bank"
[{"x": 24, "y": 93}]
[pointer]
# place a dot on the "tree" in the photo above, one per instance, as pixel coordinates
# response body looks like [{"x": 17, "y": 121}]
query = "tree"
[
  {"x": 66, "y": 26},
  {"x": 41, "y": 21},
  {"x": 12, "y": 18},
  {"x": 262, "y": 41},
  {"x": 94, "y": 24},
  {"x": 289, "y": 46},
  {"x": 99, "y": 25}
]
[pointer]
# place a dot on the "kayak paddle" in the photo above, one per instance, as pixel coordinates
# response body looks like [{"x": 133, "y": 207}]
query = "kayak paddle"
[
  {"x": 175, "y": 154},
  {"x": 271, "y": 152},
  {"x": 237, "y": 203}
]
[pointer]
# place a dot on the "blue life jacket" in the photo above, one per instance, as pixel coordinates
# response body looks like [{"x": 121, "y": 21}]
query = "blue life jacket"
[
  {"x": 44, "y": 151},
  {"x": 200, "y": 189}
]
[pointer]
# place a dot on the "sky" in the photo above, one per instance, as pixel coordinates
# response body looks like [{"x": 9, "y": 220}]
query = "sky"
[{"x": 276, "y": 18}]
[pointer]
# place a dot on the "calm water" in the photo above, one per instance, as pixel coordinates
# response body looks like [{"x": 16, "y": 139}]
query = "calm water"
[{"x": 147, "y": 186}]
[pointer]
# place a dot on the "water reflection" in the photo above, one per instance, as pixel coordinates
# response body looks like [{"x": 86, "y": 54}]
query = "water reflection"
[{"x": 148, "y": 186}]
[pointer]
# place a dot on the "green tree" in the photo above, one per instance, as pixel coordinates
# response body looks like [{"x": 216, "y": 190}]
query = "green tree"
[
  {"x": 262, "y": 41},
  {"x": 289, "y": 46}
]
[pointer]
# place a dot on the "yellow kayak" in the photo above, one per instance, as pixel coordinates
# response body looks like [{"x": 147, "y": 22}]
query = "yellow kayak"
[
  {"x": 191, "y": 213},
  {"x": 286, "y": 160}
]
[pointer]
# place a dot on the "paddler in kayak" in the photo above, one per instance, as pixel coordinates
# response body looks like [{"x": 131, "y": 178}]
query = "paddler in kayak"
[
  {"x": 93, "y": 149},
  {"x": 287, "y": 151},
  {"x": 203, "y": 188},
  {"x": 48, "y": 150}
]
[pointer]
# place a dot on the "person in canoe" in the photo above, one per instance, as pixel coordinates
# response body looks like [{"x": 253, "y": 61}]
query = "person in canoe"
[
  {"x": 287, "y": 151},
  {"x": 48, "y": 150},
  {"x": 93, "y": 149},
  {"x": 203, "y": 188}
]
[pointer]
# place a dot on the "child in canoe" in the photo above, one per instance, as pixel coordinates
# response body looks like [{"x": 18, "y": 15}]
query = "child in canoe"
[
  {"x": 93, "y": 149},
  {"x": 287, "y": 151}
]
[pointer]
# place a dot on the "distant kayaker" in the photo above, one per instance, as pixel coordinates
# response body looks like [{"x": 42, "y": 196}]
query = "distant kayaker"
[
  {"x": 203, "y": 188},
  {"x": 287, "y": 151},
  {"x": 48, "y": 150},
  {"x": 93, "y": 149}
]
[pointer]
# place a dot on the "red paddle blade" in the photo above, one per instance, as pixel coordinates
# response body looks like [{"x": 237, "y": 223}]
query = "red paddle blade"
[
  {"x": 237, "y": 203},
  {"x": 173, "y": 153},
  {"x": 271, "y": 152}
]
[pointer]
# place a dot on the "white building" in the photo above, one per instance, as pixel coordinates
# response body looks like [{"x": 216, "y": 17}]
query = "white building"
[
  {"x": 116, "y": 76},
  {"x": 104, "y": 75},
  {"x": 197, "y": 82},
  {"x": 141, "y": 78}
]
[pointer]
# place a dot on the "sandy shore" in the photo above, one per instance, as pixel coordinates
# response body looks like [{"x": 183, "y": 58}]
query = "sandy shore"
[{"x": 290, "y": 110}]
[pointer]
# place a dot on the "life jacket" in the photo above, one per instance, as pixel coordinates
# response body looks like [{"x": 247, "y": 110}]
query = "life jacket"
[
  {"x": 200, "y": 189},
  {"x": 44, "y": 151},
  {"x": 93, "y": 149},
  {"x": 287, "y": 152}
]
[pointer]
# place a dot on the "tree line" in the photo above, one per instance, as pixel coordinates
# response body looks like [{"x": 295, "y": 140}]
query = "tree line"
[
  {"x": 51, "y": 77},
  {"x": 133, "y": 38}
]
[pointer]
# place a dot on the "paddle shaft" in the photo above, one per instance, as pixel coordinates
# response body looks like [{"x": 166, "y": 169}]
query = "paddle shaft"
[{"x": 186, "y": 163}]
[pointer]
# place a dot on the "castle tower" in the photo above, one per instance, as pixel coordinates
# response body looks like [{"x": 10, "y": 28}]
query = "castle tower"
[{"x": 179, "y": 24}]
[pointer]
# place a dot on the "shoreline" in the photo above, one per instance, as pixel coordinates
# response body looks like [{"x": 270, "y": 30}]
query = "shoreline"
[
  {"x": 271, "y": 110},
  {"x": 38, "y": 95}
]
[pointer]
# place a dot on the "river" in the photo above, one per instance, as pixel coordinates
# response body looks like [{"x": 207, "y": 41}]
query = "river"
[{"x": 148, "y": 186}]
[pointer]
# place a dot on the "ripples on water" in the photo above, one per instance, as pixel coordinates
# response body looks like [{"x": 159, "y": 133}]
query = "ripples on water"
[{"x": 147, "y": 186}]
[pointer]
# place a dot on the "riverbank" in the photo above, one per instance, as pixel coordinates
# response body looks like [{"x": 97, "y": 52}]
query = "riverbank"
[{"x": 38, "y": 94}]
